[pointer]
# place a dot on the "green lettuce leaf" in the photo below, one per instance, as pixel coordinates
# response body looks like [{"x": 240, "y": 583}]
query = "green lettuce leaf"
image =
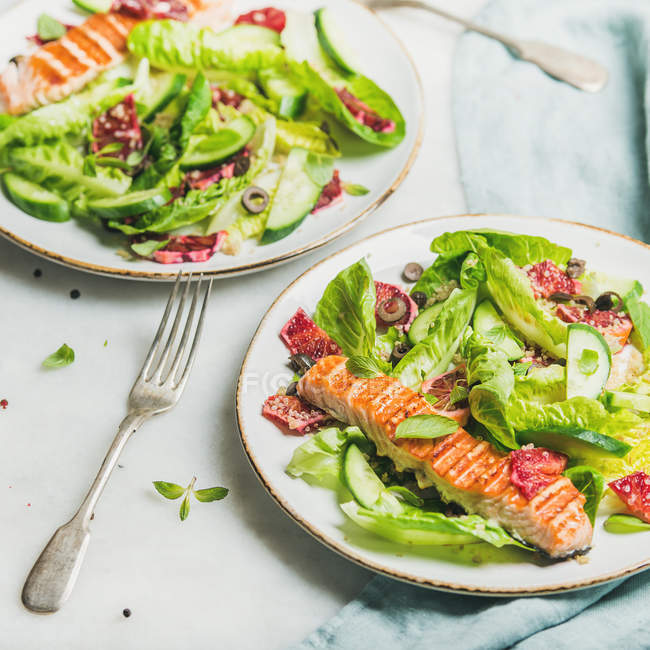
[
  {"x": 472, "y": 272},
  {"x": 591, "y": 483},
  {"x": 510, "y": 289},
  {"x": 442, "y": 274},
  {"x": 492, "y": 382},
  {"x": 319, "y": 459},
  {"x": 363, "y": 89},
  {"x": 347, "y": 310},
  {"x": 59, "y": 167},
  {"x": 542, "y": 385},
  {"x": 432, "y": 355},
  {"x": 199, "y": 102},
  {"x": 307, "y": 135},
  {"x": 521, "y": 249},
  {"x": 177, "y": 46}
]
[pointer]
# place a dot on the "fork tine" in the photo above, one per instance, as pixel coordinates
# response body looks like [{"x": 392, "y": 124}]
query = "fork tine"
[
  {"x": 186, "y": 333},
  {"x": 197, "y": 337},
  {"x": 161, "y": 328}
]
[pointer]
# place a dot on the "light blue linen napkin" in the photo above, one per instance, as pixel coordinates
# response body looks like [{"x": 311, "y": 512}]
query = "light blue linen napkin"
[{"x": 530, "y": 145}]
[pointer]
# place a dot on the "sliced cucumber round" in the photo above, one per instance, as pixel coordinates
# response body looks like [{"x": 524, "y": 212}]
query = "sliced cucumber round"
[
  {"x": 131, "y": 204},
  {"x": 331, "y": 40},
  {"x": 588, "y": 363},
  {"x": 35, "y": 200},
  {"x": 164, "y": 89},
  {"x": 419, "y": 329},
  {"x": 290, "y": 96},
  {"x": 300, "y": 185},
  {"x": 360, "y": 477},
  {"x": 211, "y": 150},
  {"x": 576, "y": 442},
  {"x": 94, "y": 6},
  {"x": 635, "y": 401},
  {"x": 249, "y": 36},
  {"x": 488, "y": 322}
]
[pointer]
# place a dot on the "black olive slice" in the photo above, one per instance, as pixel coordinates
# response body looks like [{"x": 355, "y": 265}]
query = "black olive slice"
[
  {"x": 419, "y": 298},
  {"x": 301, "y": 363},
  {"x": 292, "y": 388},
  {"x": 255, "y": 199},
  {"x": 575, "y": 267},
  {"x": 604, "y": 302},
  {"x": 562, "y": 296},
  {"x": 392, "y": 309},
  {"x": 399, "y": 351},
  {"x": 412, "y": 272}
]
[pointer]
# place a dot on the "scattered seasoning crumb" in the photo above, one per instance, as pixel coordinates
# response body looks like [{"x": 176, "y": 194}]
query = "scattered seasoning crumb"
[
  {"x": 75, "y": 293},
  {"x": 92, "y": 516},
  {"x": 582, "y": 559},
  {"x": 477, "y": 559},
  {"x": 120, "y": 466},
  {"x": 38, "y": 273},
  {"x": 3, "y": 404},
  {"x": 126, "y": 612}
]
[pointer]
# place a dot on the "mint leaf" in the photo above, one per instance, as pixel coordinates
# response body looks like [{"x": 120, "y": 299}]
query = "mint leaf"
[
  {"x": 210, "y": 494},
  {"x": 185, "y": 508},
  {"x": 48, "y": 28},
  {"x": 111, "y": 147},
  {"x": 64, "y": 356},
  {"x": 625, "y": 524},
  {"x": 427, "y": 426},
  {"x": 458, "y": 394},
  {"x": 354, "y": 190},
  {"x": 169, "y": 490},
  {"x": 588, "y": 362},
  {"x": 146, "y": 248},
  {"x": 591, "y": 483},
  {"x": 364, "y": 367}
]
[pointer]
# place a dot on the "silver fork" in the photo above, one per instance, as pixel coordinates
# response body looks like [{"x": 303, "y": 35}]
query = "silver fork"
[
  {"x": 574, "y": 69},
  {"x": 156, "y": 390}
]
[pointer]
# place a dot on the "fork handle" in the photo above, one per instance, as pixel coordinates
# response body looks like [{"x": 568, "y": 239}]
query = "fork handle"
[{"x": 50, "y": 582}]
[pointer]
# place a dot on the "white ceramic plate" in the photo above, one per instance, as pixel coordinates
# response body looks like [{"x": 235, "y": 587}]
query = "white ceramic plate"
[
  {"x": 382, "y": 58},
  {"x": 478, "y": 568}
]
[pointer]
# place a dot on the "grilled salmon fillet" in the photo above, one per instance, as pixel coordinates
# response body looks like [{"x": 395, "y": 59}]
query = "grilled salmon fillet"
[
  {"x": 61, "y": 67},
  {"x": 464, "y": 470}
]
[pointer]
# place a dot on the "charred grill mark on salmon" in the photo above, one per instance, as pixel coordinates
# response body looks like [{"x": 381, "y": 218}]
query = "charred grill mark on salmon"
[{"x": 465, "y": 470}]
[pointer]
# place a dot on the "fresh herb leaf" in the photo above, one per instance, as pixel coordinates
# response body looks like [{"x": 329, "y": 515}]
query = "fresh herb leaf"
[
  {"x": 111, "y": 147},
  {"x": 365, "y": 367},
  {"x": 48, "y": 28},
  {"x": 105, "y": 342},
  {"x": 210, "y": 494},
  {"x": 169, "y": 490},
  {"x": 185, "y": 507},
  {"x": 64, "y": 356},
  {"x": 319, "y": 168},
  {"x": 520, "y": 369},
  {"x": 354, "y": 190},
  {"x": 458, "y": 394},
  {"x": 432, "y": 399},
  {"x": 427, "y": 426},
  {"x": 591, "y": 483},
  {"x": 407, "y": 495},
  {"x": 588, "y": 362},
  {"x": 146, "y": 248},
  {"x": 90, "y": 166},
  {"x": 625, "y": 524}
]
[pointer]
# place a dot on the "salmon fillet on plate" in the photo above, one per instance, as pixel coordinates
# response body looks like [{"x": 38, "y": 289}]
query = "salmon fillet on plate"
[{"x": 467, "y": 471}]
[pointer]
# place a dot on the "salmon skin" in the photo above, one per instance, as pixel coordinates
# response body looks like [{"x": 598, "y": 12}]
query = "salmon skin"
[
  {"x": 66, "y": 65},
  {"x": 464, "y": 470}
]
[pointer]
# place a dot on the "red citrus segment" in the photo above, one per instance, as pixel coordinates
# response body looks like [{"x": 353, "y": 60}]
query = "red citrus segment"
[
  {"x": 118, "y": 124},
  {"x": 547, "y": 278},
  {"x": 332, "y": 193},
  {"x": 634, "y": 491},
  {"x": 268, "y": 17},
  {"x": 302, "y": 336},
  {"x": 608, "y": 323},
  {"x": 534, "y": 468},
  {"x": 441, "y": 387},
  {"x": 293, "y": 415}
]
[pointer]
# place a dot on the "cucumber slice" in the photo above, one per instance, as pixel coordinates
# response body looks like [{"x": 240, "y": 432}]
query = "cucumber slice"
[
  {"x": 252, "y": 36},
  {"x": 290, "y": 96},
  {"x": 94, "y": 6},
  {"x": 576, "y": 442},
  {"x": 35, "y": 200},
  {"x": 488, "y": 322},
  {"x": 164, "y": 88},
  {"x": 419, "y": 329},
  {"x": 620, "y": 399},
  {"x": 130, "y": 204},
  {"x": 589, "y": 361},
  {"x": 329, "y": 36},
  {"x": 297, "y": 193},
  {"x": 210, "y": 150},
  {"x": 361, "y": 478}
]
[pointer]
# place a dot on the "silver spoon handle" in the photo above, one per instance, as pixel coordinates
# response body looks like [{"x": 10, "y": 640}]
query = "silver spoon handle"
[
  {"x": 50, "y": 582},
  {"x": 579, "y": 71}
]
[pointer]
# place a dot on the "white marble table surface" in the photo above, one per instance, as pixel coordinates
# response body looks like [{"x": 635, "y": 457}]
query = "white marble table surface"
[{"x": 238, "y": 573}]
